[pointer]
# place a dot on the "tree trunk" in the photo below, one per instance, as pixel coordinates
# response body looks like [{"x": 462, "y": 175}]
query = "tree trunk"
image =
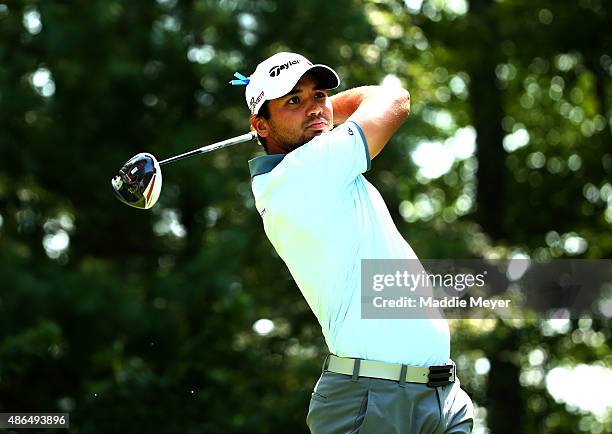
[{"x": 487, "y": 115}]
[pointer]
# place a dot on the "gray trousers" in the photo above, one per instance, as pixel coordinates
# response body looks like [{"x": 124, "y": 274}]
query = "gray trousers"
[{"x": 340, "y": 405}]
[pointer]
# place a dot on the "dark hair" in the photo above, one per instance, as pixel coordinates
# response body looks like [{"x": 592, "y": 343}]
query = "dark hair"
[{"x": 264, "y": 112}]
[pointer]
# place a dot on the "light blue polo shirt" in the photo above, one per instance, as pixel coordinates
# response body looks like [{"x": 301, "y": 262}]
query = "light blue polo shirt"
[{"x": 322, "y": 217}]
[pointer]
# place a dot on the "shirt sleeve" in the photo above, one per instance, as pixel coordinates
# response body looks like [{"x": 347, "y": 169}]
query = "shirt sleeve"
[{"x": 333, "y": 160}]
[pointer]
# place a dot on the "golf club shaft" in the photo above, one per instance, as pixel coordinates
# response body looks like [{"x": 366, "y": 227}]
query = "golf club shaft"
[{"x": 229, "y": 142}]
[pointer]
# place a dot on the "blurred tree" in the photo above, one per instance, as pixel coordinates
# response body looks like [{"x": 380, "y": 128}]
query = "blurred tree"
[{"x": 538, "y": 146}]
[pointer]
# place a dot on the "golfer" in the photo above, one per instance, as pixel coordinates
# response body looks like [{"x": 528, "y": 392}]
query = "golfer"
[{"x": 323, "y": 218}]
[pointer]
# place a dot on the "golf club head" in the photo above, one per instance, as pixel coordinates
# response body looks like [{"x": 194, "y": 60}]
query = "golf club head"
[{"x": 139, "y": 181}]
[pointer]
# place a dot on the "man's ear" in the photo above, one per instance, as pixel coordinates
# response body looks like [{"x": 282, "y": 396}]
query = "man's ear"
[{"x": 260, "y": 125}]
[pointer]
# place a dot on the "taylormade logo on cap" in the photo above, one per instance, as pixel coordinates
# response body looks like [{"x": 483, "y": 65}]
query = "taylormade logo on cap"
[
  {"x": 277, "y": 75},
  {"x": 275, "y": 70}
]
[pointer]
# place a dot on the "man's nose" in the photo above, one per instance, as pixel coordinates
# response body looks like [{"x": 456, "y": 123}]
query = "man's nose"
[{"x": 315, "y": 107}]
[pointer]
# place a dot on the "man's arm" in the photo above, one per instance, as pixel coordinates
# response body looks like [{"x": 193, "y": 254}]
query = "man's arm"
[{"x": 378, "y": 110}]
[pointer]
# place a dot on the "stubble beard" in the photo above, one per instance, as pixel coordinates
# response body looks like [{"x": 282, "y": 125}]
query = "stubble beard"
[
  {"x": 289, "y": 143},
  {"x": 285, "y": 140}
]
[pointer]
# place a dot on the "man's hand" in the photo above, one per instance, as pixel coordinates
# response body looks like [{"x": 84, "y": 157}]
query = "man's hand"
[{"x": 378, "y": 110}]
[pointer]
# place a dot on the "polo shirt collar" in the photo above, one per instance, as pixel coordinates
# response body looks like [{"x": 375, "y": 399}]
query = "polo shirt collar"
[{"x": 264, "y": 164}]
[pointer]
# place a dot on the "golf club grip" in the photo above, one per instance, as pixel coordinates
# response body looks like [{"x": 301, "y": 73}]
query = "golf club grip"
[{"x": 229, "y": 142}]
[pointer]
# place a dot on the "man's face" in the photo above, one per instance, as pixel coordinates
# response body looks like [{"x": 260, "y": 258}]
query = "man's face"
[{"x": 297, "y": 117}]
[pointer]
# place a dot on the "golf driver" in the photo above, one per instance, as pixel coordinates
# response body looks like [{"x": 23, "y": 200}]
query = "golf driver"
[{"x": 139, "y": 181}]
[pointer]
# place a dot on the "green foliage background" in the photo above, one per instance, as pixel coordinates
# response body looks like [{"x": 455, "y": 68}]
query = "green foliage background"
[{"x": 138, "y": 321}]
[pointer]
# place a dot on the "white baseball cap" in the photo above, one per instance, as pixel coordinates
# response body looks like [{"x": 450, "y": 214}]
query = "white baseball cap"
[{"x": 278, "y": 74}]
